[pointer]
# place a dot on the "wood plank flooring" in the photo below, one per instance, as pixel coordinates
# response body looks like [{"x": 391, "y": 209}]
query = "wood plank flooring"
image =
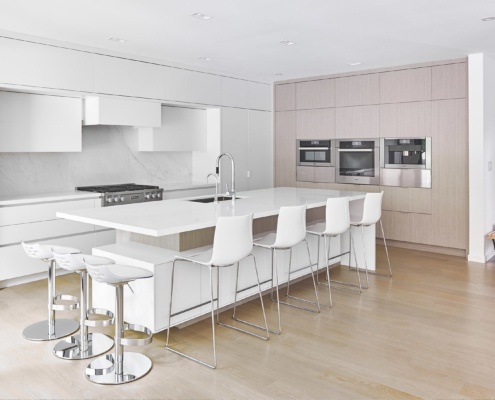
[{"x": 428, "y": 332}]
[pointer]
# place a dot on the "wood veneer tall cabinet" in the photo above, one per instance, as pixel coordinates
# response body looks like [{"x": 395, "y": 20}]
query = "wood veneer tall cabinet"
[{"x": 421, "y": 100}]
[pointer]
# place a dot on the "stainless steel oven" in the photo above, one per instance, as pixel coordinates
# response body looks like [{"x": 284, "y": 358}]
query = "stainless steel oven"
[
  {"x": 315, "y": 153},
  {"x": 357, "y": 161},
  {"x": 405, "y": 162}
]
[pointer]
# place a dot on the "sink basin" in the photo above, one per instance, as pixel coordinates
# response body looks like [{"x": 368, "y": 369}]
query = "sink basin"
[{"x": 212, "y": 199}]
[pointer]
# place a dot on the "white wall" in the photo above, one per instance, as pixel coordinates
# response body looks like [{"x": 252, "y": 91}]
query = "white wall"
[{"x": 109, "y": 155}]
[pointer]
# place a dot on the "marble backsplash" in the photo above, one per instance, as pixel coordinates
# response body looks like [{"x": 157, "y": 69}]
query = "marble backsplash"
[{"x": 109, "y": 155}]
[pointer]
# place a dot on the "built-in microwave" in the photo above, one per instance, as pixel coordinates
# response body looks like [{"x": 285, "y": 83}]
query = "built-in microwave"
[
  {"x": 357, "y": 161},
  {"x": 315, "y": 152},
  {"x": 405, "y": 162}
]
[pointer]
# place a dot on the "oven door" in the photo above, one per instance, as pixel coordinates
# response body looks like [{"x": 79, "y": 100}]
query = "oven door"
[
  {"x": 314, "y": 153},
  {"x": 360, "y": 166}
]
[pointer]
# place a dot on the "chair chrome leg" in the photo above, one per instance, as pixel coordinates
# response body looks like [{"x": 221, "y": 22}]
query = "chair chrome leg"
[
  {"x": 386, "y": 250},
  {"x": 352, "y": 249},
  {"x": 365, "y": 258}
]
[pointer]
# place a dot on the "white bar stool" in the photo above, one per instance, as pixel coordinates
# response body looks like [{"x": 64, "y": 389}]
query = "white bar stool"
[
  {"x": 52, "y": 328},
  {"x": 372, "y": 213},
  {"x": 121, "y": 367},
  {"x": 233, "y": 241},
  {"x": 337, "y": 222},
  {"x": 291, "y": 230},
  {"x": 85, "y": 345}
]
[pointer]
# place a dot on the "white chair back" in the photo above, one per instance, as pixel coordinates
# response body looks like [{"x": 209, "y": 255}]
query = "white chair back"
[
  {"x": 35, "y": 250},
  {"x": 372, "y": 209},
  {"x": 337, "y": 216},
  {"x": 75, "y": 262},
  {"x": 233, "y": 240},
  {"x": 291, "y": 226}
]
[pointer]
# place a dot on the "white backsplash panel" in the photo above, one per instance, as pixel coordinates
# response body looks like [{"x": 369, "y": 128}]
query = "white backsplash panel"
[{"x": 109, "y": 156}]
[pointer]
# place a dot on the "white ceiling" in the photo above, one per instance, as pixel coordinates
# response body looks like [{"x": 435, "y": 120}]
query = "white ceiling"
[{"x": 243, "y": 37}]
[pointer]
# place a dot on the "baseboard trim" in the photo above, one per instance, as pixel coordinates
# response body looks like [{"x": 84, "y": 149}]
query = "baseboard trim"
[{"x": 425, "y": 247}]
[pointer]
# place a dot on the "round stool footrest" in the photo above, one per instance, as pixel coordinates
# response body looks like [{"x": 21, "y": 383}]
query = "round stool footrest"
[
  {"x": 65, "y": 307},
  {"x": 136, "y": 342},
  {"x": 106, "y": 365},
  {"x": 99, "y": 323}
]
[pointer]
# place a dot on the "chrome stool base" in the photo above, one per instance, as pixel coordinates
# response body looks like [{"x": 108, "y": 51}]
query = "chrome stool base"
[
  {"x": 41, "y": 331},
  {"x": 134, "y": 366},
  {"x": 70, "y": 348}
]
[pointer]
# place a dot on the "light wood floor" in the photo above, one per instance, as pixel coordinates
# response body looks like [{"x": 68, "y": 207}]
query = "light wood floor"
[{"x": 429, "y": 332}]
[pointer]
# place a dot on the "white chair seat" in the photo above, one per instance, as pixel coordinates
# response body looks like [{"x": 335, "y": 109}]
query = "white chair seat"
[
  {"x": 317, "y": 229},
  {"x": 118, "y": 273},
  {"x": 75, "y": 262},
  {"x": 45, "y": 251},
  {"x": 267, "y": 241},
  {"x": 201, "y": 258}
]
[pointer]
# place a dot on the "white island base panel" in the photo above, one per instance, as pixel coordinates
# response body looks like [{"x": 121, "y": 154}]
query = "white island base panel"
[{"x": 149, "y": 304}]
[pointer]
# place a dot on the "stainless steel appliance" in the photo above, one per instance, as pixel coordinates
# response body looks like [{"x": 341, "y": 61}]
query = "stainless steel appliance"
[
  {"x": 405, "y": 162},
  {"x": 357, "y": 161},
  {"x": 126, "y": 193},
  {"x": 315, "y": 160}
]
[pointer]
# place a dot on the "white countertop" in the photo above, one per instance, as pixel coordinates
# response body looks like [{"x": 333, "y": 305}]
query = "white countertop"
[
  {"x": 20, "y": 199},
  {"x": 169, "y": 217}
]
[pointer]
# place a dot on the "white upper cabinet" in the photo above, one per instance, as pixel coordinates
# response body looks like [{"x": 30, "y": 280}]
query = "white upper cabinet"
[
  {"x": 124, "y": 77},
  {"x": 121, "y": 111},
  {"x": 191, "y": 86},
  {"x": 260, "y": 96},
  {"x": 33, "y": 64},
  {"x": 38, "y": 123},
  {"x": 234, "y": 92}
]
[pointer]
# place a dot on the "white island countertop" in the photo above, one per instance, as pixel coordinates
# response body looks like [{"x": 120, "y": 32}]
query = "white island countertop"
[{"x": 170, "y": 217}]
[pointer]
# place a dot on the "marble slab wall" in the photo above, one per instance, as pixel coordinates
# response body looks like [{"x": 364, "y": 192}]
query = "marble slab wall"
[{"x": 109, "y": 155}]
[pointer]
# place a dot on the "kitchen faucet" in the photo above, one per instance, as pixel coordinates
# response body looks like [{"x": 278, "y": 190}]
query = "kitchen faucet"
[
  {"x": 232, "y": 191},
  {"x": 216, "y": 185}
]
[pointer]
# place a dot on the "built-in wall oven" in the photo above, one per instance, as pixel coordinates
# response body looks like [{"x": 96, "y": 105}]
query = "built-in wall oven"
[
  {"x": 357, "y": 161},
  {"x": 405, "y": 162},
  {"x": 315, "y": 160}
]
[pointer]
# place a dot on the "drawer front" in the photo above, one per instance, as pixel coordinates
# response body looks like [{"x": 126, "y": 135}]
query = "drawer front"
[
  {"x": 325, "y": 174},
  {"x": 23, "y": 214},
  {"x": 305, "y": 174},
  {"x": 41, "y": 230}
]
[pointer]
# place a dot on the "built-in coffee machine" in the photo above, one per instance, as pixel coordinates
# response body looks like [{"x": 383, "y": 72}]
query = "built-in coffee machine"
[{"x": 405, "y": 162}]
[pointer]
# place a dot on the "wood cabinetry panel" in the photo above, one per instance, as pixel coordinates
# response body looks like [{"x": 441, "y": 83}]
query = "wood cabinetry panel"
[
  {"x": 394, "y": 199},
  {"x": 285, "y": 97},
  {"x": 405, "y": 119},
  {"x": 396, "y": 226},
  {"x": 315, "y": 94},
  {"x": 315, "y": 124},
  {"x": 357, "y": 90},
  {"x": 285, "y": 148},
  {"x": 419, "y": 200},
  {"x": 420, "y": 228},
  {"x": 357, "y": 122},
  {"x": 450, "y": 173},
  {"x": 305, "y": 174},
  {"x": 405, "y": 85},
  {"x": 449, "y": 81}
]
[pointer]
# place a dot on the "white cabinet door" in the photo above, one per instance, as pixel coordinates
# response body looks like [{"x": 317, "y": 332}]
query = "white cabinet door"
[
  {"x": 260, "y": 150},
  {"x": 260, "y": 96},
  {"x": 39, "y": 123},
  {"x": 33, "y": 64},
  {"x": 234, "y": 92},
  {"x": 128, "y": 77},
  {"x": 191, "y": 86},
  {"x": 234, "y": 140}
]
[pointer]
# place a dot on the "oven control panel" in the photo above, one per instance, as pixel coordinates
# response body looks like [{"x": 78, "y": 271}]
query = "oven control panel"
[{"x": 112, "y": 199}]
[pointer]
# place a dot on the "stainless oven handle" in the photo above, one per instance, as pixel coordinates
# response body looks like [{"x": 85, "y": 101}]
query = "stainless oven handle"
[
  {"x": 314, "y": 148},
  {"x": 360, "y": 150}
]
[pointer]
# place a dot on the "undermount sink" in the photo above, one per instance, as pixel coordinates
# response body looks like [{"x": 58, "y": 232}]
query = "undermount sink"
[{"x": 212, "y": 199}]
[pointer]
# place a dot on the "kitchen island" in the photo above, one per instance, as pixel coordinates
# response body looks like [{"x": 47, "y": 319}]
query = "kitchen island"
[{"x": 149, "y": 234}]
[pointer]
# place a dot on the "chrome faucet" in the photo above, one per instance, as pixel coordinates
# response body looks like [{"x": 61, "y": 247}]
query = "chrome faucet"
[
  {"x": 216, "y": 185},
  {"x": 230, "y": 192}
]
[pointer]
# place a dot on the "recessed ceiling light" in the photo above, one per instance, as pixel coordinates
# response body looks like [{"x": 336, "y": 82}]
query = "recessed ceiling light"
[
  {"x": 201, "y": 16},
  {"x": 488, "y": 19},
  {"x": 279, "y": 73},
  {"x": 114, "y": 39},
  {"x": 287, "y": 42},
  {"x": 204, "y": 58},
  {"x": 355, "y": 63}
]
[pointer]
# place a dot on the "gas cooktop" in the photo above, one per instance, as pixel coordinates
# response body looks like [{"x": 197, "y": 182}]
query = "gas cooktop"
[{"x": 125, "y": 193}]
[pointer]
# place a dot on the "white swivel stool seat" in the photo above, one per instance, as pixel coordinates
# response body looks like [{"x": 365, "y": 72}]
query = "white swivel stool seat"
[
  {"x": 52, "y": 328},
  {"x": 291, "y": 230},
  {"x": 233, "y": 241},
  {"x": 372, "y": 213},
  {"x": 122, "y": 366},
  {"x": 85, "y": 345},
  {"x": 337, "y": 222}
]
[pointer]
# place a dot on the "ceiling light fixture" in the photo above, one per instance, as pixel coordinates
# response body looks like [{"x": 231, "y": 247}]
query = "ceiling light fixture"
[
  {"x": 488, "y": 19},
  {"x": 279, "y": 73},
  {"x": 201, "y": 16},
  {"x": 114, "y": 39},
  {"x": 204, "y": 58},
  {"x": 355, "y": 63},
  {"x": 287, "y": 42}
]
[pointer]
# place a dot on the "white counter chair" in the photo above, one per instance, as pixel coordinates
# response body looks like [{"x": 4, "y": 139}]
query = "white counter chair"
[
  {"x": 52, "y": 328},
  {"x": 85, "y": 345},
  {"x": 233, "y": 241},
  {"x": 372, "y": 213},
  {"x": 291, "y": 230},
  {"x": 120, "y": 367},
  {"x": 337, "y": 222}
]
